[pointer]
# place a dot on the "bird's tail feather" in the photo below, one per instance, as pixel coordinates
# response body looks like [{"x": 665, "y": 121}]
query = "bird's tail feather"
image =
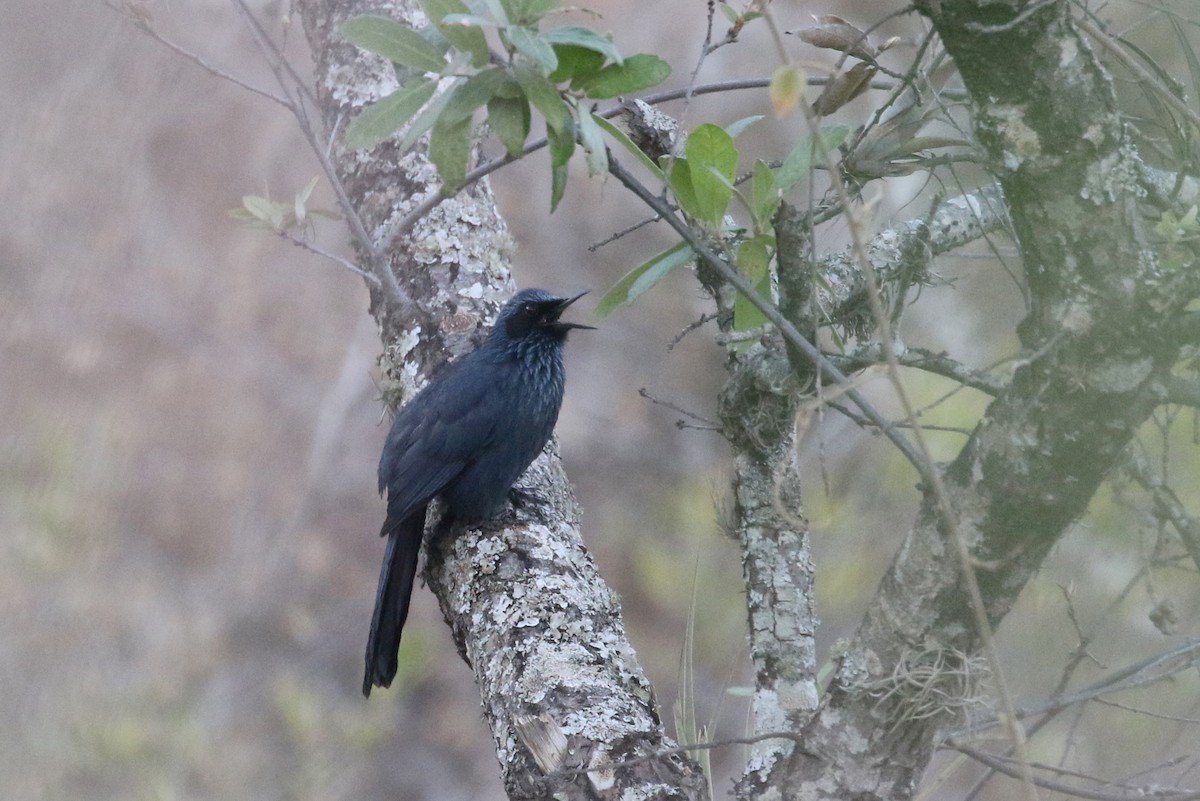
[{"x": 392, "y": 599}]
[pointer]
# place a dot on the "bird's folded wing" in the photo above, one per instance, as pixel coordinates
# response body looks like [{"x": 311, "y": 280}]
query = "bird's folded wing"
[{"x": 436, "y": 436}]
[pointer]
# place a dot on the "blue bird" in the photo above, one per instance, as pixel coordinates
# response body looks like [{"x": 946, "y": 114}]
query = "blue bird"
[{"x": 466, "y": 437}]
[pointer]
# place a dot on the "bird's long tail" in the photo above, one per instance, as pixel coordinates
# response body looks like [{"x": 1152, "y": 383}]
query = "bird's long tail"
[{"x": 391, "y": 601}]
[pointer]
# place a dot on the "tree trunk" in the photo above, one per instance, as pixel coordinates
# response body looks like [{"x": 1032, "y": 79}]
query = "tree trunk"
[
  {"x": 562, "y": 690},
  {"x": 1099, "y": 342}
]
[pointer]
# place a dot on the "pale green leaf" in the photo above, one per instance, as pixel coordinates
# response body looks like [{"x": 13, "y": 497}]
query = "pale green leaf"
[
  {"x": 712, "y": 161},
  {"x": 682, "y": 189},
  {"x": 394, "y": 41},
  {"x": 764, "y": 197},
  {"x": 753, "y": 261},
  {"x": 301, "y": 200},
  {"x": 624, "y": 141},
  {"x": 467, "y": 20},
  {"x": 529, "y": 44},
  {"x": 796, "y": 166},
  {"x": 544, "y": 96},
  {"x": 471, "y": 94},
  {"x": 468, "y": 38},
  {"x": 735, "y": 129},
  {"x": 383, "y": 118},
  {"x": 271, "y": 214},
  {"x": 592, "y": 141},
  {"x": 562, "y": 145},
  {"x": 642, "y": 278},
  {"x": 634, "y": 74},
  {"x": 528, "y": 12},
  {"x": 425, "y": 119}
]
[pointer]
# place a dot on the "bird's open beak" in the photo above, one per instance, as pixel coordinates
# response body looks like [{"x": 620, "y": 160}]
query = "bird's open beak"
[{"x": 562, "y": 306}]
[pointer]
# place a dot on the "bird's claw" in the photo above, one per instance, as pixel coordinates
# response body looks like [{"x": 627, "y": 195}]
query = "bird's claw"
[{"x": 522, "y": 498}]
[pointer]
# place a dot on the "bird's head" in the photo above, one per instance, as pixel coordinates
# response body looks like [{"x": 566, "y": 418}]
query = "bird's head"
[{"x": 534, "y": 311}]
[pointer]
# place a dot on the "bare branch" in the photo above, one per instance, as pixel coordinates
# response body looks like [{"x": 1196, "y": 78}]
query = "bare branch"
[
  {"x": 1017, "y": 771},
  {"x": 287, "y": 78},
  {"x": 143, "y": 23},
  {"x": 1153, "y": 669}
]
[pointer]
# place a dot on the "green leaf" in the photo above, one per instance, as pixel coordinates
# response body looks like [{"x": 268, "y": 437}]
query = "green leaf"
[
  {"x": 509, "y": 120},
  {"x": 498, "y": 9},
  {"x": 585, "y": 38},
  {"x": 467, "y": 38},
  {"x": 636, "y": 73},
  {"x": 544, "y": 96},
  {"x": 682, "y": 189},
  {"x": 735, "y": 129},
  {"x": 528, "y": 12},
  {"x": 592, "y": 141},
  {"x": 574, "y": 62},
  {"x": 383, "y": 118},
  {"x": 558, "y": 185},
  {"x": 711, "y": 156},
  {"x": 449, "y": 149},
  {"x": 641, "y": 278},
  {"x": 796, "y": 166},
  {"x": 624, "y": 141},
  {"x": 468, "y": 20},
  {"x": 472, "y": 93},
  {"x": 530, "y": 45},
  {"x": 394, "y": 41},
  {"x": 562, "y": 145},
  {"x": 763, "y": 194},
  {"x": 753, "y": 260},
  {"x": 425, "y": 119}
]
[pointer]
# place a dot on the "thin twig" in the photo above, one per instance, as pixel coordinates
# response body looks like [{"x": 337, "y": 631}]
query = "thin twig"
[
  {"x": 142, "y": 23},
  {"x": 1140, "y": 72},
  {"x": 680, "y": 749},
  {"x": 689, "y": 328},
  {"x": 336, "y": 259},
  {"x": 1001, "y": 765},
  {"x": 1150, "y": 670},
  {"x": 287, "y": 77}
]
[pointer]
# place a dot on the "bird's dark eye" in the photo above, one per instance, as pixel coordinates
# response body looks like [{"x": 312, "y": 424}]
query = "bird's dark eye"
[{"x": 529, "y": 309}]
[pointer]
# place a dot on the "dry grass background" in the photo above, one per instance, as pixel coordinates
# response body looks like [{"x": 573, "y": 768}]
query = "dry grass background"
[{"x": 189, "y": 429}]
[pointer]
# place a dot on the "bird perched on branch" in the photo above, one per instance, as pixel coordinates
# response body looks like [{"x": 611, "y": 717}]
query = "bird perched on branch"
[{"x": 467, "y": 437}]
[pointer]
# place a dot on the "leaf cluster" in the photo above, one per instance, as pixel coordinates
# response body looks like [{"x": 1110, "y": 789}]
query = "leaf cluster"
[
  {"x": 555, "y": 71},
  {"x": 703, "y": 185},
  {"x": 260, "y": 211}
]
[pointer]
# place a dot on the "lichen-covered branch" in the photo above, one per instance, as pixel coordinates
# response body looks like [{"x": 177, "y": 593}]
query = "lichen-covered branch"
[
  {"x": 527, "y": 608},
  {"x": 758, "y": 410}
]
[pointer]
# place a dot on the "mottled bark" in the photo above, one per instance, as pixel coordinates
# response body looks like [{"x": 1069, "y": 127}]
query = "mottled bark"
[
  {"x": 758, "y": 409},
  {"x": 526, "y": 606}
]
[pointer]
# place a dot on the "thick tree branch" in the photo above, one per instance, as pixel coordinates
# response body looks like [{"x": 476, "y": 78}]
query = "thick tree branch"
[{"x": 528, "y": 610}]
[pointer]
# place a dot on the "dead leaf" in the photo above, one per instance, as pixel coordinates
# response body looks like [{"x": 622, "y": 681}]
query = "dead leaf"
[
  {"x": 834, "y": 33},
  {"x": 844, "y": 87}
]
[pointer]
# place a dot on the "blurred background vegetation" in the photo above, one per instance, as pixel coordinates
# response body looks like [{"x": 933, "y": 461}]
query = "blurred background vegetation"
[{"x": 189, "y": 430}]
